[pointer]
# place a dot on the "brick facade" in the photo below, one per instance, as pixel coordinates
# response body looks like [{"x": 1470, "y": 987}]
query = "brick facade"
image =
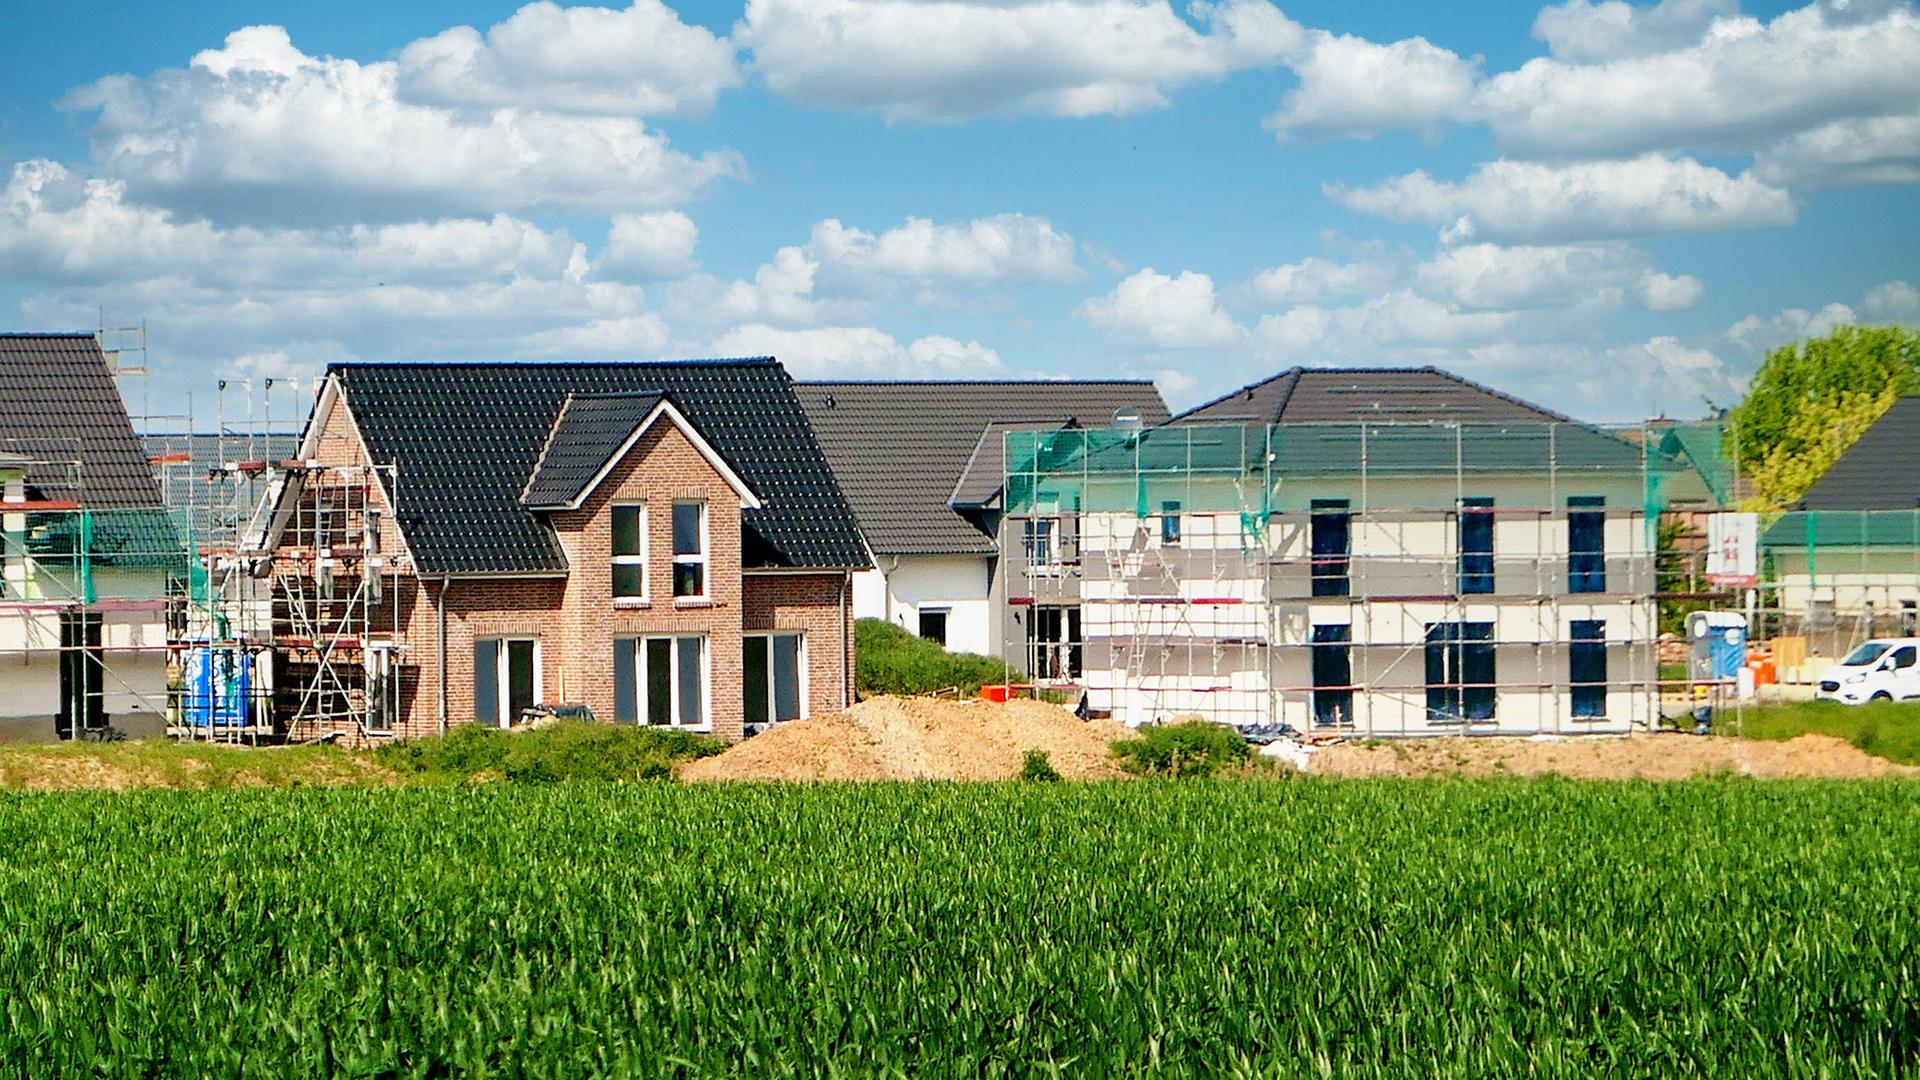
[{"x": 575, "y": 618}]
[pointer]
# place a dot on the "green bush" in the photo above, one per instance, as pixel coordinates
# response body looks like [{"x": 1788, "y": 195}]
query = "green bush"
[
  {"x": 1187, "y": 749},
  {"x": 1037, "y": 766},
  {"x": 570, "y": 750},
  {"x": 888, "y": 660}
]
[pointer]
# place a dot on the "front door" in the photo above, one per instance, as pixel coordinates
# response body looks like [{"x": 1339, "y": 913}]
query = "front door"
[
  {"x": 83, "y": 700},
  {"x": 521, "y": 683}
]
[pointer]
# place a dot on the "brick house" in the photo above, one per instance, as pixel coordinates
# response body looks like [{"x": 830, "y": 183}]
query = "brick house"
[{"x": 663, "y": 543}]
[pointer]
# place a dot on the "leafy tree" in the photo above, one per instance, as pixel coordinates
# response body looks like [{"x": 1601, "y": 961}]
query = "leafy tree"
[{"x": 1810, "y": 401}]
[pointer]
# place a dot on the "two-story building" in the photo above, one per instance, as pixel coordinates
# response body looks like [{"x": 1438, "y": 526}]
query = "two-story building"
[
  {"x": 921, "y": 464},
  {"x": 86, "y": 551},
  {"x": 663, "y": 543},
  {"x": 1383, "y": 551}
]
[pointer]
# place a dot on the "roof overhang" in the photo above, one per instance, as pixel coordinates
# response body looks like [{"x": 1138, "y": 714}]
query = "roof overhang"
[{"x": 665, "y": 409}]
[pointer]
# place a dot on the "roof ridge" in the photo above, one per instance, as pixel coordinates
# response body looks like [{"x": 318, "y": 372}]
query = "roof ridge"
[
  {"x": 710, "y": 361},
  {"x": 1237, "y": 391},
  {"x": 29, "y": 334},
  {"x": 973, "y": 382}
]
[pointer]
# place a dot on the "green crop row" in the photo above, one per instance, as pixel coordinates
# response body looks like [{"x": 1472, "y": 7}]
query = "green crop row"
[{"x": 1548, "y": 928}]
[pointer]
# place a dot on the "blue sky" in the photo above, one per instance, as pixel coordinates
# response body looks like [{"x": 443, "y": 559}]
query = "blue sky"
[{"x": 1610, "y": 209}]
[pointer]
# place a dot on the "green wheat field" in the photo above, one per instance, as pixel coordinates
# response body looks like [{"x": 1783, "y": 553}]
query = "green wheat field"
[{"x": 1279, "y": 928}]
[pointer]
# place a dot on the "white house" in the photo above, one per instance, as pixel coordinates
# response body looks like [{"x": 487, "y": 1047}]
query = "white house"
[
  {"x": 921, "y": 464},
  {"x": 1382, "y": 551},
  {"x": 86, "y": 549}
]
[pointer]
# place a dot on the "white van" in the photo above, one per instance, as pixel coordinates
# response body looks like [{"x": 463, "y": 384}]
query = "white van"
[{"x": 1884, "y": 669}]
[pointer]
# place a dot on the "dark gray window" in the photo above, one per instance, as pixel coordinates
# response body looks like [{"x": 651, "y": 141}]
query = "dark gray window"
[
  {"x": 933, "y": 625},
  {"x": 1333, "y": 675},
  {"x": 660, "y": 679},
  {"x": 1587, "y": 668},
  {"x": 1476, "y": 545},
  {"x": 689, "y": 549},
  {"x": 1586, "y": 544},
  {"x": 629, "y": 552},
  {"x": 773, "y": 685},
  {"x": 1460, "y": 671},
  {"x": 1330, "y": 543}
]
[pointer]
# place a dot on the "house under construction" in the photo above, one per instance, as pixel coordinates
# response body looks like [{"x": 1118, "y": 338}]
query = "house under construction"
[
  {"x": 88, "y": 556},
  {"x": 1382, "y": 552}
]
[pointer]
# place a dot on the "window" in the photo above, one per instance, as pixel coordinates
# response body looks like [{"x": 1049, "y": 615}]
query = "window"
[
  {"x": 689, "y": 550},
  {"x": 1586, "y": 547},
  {"x": 1170, "y": 522},
  {"x": 1476, "y": 545},
  {"x": 933, "y": 625},
  {"x": 630, "y": 552},
  {"x": 1037, "y": 540},
  {"x": 1904, "y": 657},
  {"x": 660, "y": 681},
  {"x": 1460, "y": 672},
  {"x": 775, "y": 669},
  {"x": 506, "y": 679},
  {"x": 1587, "y": 669},
  {"x": 1053, "y": 642},
  {"x": 1330, "y": 536},
  {"x": 1909, "y": 618},
  {"x": 1333, "y": 675}
]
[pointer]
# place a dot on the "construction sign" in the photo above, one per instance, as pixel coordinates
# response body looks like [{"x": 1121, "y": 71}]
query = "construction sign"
[{"x": 1732, "y": 546}]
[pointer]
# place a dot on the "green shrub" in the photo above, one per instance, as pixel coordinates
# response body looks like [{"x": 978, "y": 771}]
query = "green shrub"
[
  {"x": 570, "y": 750},
  {"x": 1185, "y": 749},
  {"x": 1038, "y": 767},
  {"x": 888, "y": 660}
]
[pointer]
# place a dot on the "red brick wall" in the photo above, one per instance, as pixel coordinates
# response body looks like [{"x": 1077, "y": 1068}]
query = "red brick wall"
[
  {"x": 576, "y": 620},
  {"x": 821, "y": 606}
]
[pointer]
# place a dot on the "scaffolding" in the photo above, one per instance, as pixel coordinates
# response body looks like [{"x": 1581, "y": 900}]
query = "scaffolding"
[
  {"x": 85, "y": 598},
  {"x": 1376, "y": 579}
]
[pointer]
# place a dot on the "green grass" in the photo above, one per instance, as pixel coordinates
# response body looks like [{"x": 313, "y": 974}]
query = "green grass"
[
  {"x": 1884, "y": 729},
  {"x": 888, "y": 660},
  {"x": 1454, "y": 928},
  {"x": 161, "y": 763},
  {"x": 1190, "y": 748},
  {"x": 570, "y": 750}
]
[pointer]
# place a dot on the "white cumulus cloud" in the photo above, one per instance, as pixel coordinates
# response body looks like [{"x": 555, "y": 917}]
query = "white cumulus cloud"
[
  {"x": 648, "y": 247},
  {"x": 1314, "y": 279},
  {"x": 1531, "y": 201},
  {"x": 947, "y": 60},
  {"x": 838, "y": 351},
  {"x": 1157, "y": 311},
  {"x": 1003, "y": 247},
  {"x": 637, "y": 61},
  {"x": 1580, "y": 31},
  {"x": 1350, "y": 87},
  {"x": 257, "y": 130}
]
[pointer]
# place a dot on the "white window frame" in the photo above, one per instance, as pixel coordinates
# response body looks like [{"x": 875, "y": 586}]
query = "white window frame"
[
  {"x": 698, "y": 559},
  {"x": 765, "y": 639},
  {"x": 640, "y": 560},
  {"x": 640, "y": 661},
  {"x": 503, "y": 699},
  {"x": 941, "y": 610},
  {"x": 1032, "y": 528}
]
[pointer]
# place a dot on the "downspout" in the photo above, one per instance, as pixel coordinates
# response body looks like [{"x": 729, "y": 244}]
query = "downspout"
[
  {"x": 440, "y": 616},
  {"x": 886, "y": 586},
  {"x": 846, "y": 643}
]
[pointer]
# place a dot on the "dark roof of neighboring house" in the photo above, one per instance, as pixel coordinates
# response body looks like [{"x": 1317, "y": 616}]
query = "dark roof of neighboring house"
[
  {"x": 59, "y": 406},
  {"x": 209, "y": 509},
  {"x": 901, "y": 448},
  {"x": 1353, "y": 395},
  {"x": 1879, "y": 471},
  {"x": 590, "y": 429},
  {"x": 465, "y": 438}
]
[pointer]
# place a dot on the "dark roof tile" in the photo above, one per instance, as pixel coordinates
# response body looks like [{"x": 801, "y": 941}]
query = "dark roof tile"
[{"x": 465, "y": 438}]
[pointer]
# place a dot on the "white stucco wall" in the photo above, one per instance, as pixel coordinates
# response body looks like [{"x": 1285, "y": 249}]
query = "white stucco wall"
[{"x": 901, "y": 586}]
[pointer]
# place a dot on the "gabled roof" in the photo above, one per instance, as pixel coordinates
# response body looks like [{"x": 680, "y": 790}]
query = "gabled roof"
[
  {"x": 466, "y": 439},
  {"x": 590, "y": 435},
  {"x": 1879, "y": 471},
  {"x": 900, "y": 449},
  {"x": 60, "y": 408},
  {"x": 1353, "y": 395}
]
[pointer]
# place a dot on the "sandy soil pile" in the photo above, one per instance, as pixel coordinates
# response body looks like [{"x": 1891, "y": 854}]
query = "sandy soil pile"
[
  {"x": 920, "y": 739},
  {"x": 1649, "y": 757}
]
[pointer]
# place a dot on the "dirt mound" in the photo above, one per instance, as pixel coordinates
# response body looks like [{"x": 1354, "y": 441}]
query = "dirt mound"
[
  {"x": 1646, "y": 757},
  {"x": 920, "y": 739}
]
